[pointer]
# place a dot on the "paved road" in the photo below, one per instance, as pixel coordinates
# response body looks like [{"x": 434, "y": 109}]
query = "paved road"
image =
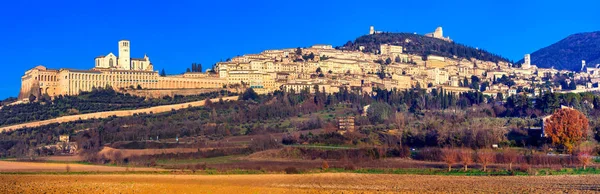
[{"x": 118, "y": 113}]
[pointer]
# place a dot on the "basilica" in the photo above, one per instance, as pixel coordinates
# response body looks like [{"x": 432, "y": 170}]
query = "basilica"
[{"x": 109, "y": 71}]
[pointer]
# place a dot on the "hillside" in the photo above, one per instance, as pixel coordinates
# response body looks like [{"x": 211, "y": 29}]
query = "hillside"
[
  {"x": 568, "y": 53},
  {"x": 421, "y": 45}
]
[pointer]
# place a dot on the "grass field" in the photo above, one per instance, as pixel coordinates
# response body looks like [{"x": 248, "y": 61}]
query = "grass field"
[{"x": 305, "y": 183}]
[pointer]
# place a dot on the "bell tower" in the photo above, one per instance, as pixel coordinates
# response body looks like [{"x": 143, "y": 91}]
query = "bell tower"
[{"x": 124, "y": 55}]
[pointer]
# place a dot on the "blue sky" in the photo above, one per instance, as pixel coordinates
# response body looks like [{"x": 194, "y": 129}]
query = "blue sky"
[{"x": 69, "y": 34}]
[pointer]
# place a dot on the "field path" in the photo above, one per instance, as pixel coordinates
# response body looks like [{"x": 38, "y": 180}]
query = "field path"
[
  {"x": 303, "y": 183},
  {"x": 118, "y": 113}
]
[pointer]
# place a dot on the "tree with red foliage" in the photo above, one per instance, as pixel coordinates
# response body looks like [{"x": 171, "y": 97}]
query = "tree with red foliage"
[
  {"x": 450, "y": 156},
  {"x": 566, "y": 127},
  {"x": 466, "y": 157}
]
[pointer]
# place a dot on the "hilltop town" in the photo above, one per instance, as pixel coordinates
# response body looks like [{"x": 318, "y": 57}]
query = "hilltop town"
[
  {"x": 321, "y": 66},
  {"x": 386, "y": 103}
]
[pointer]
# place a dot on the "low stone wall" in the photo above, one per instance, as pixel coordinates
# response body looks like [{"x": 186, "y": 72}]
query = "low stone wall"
[{"x": 118, "y": 113}]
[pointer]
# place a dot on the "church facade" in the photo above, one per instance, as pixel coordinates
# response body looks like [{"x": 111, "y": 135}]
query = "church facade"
[{"x": 110, "y": 71}]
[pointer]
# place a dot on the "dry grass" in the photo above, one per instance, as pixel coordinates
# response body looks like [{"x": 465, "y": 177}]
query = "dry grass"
[
  {"x": 8, "y": 166},
  {"x": 303, "y": 183}
]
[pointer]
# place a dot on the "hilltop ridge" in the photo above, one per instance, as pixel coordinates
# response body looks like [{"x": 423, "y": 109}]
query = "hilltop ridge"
[{"x": 421, "y": 45}]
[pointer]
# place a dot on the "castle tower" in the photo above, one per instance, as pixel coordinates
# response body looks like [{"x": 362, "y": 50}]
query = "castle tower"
[
  {"x": 372, "y": 30},
  {"x": 582, "y": 65},
  {"x": 526, "y": 62},
  {"x": 439, "y": 33},
  {"x": 124, "y": 55}
]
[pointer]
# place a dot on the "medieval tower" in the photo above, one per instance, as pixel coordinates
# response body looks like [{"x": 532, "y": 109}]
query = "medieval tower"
[{"x": 124, "y": 55}]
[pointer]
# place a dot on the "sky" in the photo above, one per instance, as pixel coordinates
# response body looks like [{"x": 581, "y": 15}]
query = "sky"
[{"x": 175, "y": 34}]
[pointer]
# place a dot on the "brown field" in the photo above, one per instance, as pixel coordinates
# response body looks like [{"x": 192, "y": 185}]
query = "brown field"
[
  {"x": 11, "y": 166},
  {"x": 307, "y": 183}
]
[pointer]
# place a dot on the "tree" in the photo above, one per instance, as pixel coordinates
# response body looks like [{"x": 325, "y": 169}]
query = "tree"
[
  {"x": 397, "y": 60},
  {"x": 466, "y": 157},
  {"x": 378, "y": 112},
  {"x": 188, "y": 70},
  {"x": 198, "y": 67},
  {"x": 249, "y": 94},
  {"x": 510, "y": 156},
  {"x": 388, "y": 61},
  {"x": 32, "y": 97},
  {"x": 484, "y": 86},
  {"x": 163, "y": 73},
  {"x": 572, "y": 85},
  {"x": 319, "y": 70},
  {"x": 566, "y": 127},
  {"x": 450, "y": 156},
  {"x": 465, "y": 82},
  {"x": 299, "y": 51},
  {"x": 585, "y": 153},
  {"x": 485, "y": 157}
]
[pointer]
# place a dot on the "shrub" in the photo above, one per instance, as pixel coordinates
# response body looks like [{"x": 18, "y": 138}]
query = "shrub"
[
  {"x": 291, "y": 170},
  {"x": 264, "y": 142},
  {"x": 325, "y": 165},
  {"x": 349, "y": 166},
  {"x": 200, "y": 166},
  {"x": 152, "y": 162}
]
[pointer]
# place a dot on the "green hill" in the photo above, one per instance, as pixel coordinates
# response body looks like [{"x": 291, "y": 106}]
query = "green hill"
[{"x": 568, "y": 52}]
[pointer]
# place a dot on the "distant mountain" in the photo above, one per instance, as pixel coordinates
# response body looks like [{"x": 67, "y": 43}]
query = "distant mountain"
[
  {"x": 421, "y": 45},
  {"x": 568, "y": 53}
]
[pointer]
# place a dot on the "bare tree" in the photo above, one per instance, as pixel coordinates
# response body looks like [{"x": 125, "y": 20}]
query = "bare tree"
[
  {"x": 450, "y": 156},
  {"x": 510, "y": 156},
  {"x": 585, "y": 153},
  {"x": 466, "y": 157},
  {"x": 485, "y": 157}
]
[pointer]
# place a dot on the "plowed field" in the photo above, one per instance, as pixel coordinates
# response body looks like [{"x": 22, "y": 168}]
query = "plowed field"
[{"x": 304, "y": 183}]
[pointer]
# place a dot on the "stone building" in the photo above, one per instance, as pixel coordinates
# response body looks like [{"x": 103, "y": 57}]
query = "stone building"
[{"x": 392, "y": 50}]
